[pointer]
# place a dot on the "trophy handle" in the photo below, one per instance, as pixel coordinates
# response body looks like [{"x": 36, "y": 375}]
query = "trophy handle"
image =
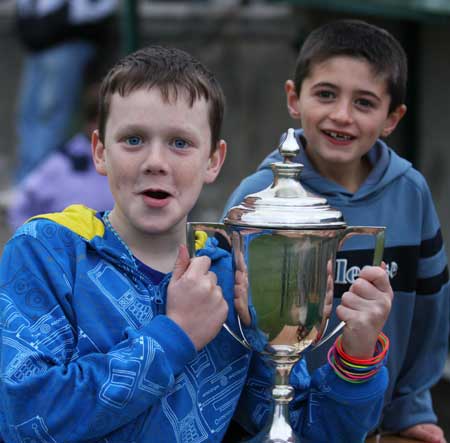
[
  {"x": 193, "y": 241},
  {"x": 378, "y": 232}
]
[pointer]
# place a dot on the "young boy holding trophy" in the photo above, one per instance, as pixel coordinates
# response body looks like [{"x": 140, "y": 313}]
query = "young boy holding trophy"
[
  {"x": 348, "y": 91},
  {"x": 112, "y": 333}
]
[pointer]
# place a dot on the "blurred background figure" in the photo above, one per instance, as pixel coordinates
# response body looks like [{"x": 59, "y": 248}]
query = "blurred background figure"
[
  {"x": 65, "y": 177},
  {"x": 62, "y": 39}
]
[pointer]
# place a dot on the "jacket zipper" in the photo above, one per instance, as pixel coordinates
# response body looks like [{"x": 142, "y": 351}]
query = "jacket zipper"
[{"x": 158, "y": 290}]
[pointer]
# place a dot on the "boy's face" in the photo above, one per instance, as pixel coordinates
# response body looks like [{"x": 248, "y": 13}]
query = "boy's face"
[
  {"x": 343, "y": 108},
  {"x": 157, "y": 156}
]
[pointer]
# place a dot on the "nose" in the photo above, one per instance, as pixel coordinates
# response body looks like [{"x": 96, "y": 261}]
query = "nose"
[
  {"x": 342, "y": 112},
  {"x": 155, "y": 161}
]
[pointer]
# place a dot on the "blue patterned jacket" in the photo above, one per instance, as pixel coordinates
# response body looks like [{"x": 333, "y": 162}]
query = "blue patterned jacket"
[{"x": 88, "y": 355}]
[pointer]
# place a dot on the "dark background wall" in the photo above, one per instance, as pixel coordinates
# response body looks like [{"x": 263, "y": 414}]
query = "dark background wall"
[{"x": 252, "y": 48}]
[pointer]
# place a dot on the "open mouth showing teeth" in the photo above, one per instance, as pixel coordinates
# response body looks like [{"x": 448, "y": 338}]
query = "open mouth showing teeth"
[
  {"x": 339, "y": 136},
  {"x": 160, "y": 195}
]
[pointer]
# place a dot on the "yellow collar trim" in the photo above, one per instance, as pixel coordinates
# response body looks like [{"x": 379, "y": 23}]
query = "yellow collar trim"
[{"x": 79, "y": 219}]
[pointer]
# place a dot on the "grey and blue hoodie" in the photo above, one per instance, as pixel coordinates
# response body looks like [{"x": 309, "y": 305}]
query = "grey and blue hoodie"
[
  {"x": 397, "y": 196},
  {"x": 88, "y": 354}
]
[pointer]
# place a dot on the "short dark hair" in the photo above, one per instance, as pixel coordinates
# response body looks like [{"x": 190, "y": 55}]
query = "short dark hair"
[
  {"x": 356, "y": 38},
  {"x": 170, "y": 70},
  {"x": 89, "y": 103}
]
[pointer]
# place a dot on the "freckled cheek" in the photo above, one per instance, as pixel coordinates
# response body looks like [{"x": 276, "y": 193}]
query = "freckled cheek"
[{"x": 123, "y": 178}]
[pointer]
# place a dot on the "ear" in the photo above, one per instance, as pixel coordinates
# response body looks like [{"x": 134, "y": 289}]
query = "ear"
[
  {"x": 215, "y": 161},
  {"x": 292, "y": 99},
  {"x": 98, "y": 153},
  {"x": 393, "y": 120}
]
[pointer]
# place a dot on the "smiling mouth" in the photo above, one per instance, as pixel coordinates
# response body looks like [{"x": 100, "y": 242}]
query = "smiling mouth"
[{"x": 339, "y": 136}]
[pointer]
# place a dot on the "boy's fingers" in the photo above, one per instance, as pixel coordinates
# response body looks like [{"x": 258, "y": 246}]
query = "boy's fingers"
[
  {"x": 181, "y": 263},
  {"x": 199, "y": 266},
  {"x": 240, "y": 278},
  {"x": 377, "y": 276},
  {"x": 427, "y": 432}
]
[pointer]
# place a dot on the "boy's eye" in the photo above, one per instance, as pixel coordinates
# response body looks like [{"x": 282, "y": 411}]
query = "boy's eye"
[
  {"x": 133, "y": 140},
  {"x": 179, "y": 143},
  {"x": 325, "y": 94},
  {"x": 364, "y": 103}
]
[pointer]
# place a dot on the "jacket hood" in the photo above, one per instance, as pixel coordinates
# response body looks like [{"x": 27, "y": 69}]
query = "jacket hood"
[
  {"x": 87, "y": 224},
  {"x": 387, "y": 167}
]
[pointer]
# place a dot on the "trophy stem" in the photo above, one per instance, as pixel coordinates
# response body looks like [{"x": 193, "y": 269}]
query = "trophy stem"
[{"x": 279, "y": 429}]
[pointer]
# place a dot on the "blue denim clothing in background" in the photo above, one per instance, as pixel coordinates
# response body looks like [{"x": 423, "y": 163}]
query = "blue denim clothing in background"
[
  {"x": 61, "y": 39},
  {"x": 52, "y": 83}
]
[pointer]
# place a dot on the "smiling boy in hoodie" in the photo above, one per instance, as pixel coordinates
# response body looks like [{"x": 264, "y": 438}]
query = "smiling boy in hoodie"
[{"x": 347, "y": 93}]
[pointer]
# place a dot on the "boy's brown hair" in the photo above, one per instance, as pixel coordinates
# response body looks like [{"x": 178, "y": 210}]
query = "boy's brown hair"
[
  {"x": 356, "y": 38},
  {"x": 172, "y": 71}
]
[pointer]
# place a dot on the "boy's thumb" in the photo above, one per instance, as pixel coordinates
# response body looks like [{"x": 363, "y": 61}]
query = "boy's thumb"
[{"x": 181, "y": 263}]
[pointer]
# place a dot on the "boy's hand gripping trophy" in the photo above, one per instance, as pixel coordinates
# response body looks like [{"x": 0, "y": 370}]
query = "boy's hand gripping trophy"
[{"x": 284, "y": 242}]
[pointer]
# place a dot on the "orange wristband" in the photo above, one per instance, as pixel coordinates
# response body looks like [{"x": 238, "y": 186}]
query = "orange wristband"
[{"x": 382, "y": 342}]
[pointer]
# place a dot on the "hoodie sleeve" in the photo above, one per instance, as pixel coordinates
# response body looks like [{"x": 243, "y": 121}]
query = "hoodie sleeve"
[
  {"x": 429, "y": 330},
  {"x": 325, "y": 409},
  {"x": 50, "y": 390}
]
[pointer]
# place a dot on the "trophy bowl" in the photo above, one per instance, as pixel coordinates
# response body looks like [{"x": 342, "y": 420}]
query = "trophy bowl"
[{"x": 284, "y": 241}]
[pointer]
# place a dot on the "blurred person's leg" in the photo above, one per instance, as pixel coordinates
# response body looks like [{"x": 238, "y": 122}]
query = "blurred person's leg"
[{"x": 51, "y": 86}]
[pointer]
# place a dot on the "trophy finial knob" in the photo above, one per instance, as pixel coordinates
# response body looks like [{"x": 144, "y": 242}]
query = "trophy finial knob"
[{"x": 289, "y": 148}]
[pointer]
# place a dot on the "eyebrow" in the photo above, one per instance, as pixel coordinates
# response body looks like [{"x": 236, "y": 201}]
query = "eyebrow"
[
  {"x": 141, "y": 129},
  {"x": 132, "y": 127},
  {"x": 358, "y": 91}
]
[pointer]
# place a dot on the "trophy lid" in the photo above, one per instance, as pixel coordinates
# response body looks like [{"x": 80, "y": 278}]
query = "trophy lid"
[{"x": 285, "y": 204}]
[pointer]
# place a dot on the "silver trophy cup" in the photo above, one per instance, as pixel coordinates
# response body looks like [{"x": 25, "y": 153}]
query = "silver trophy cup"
[{"x": 284, "y": 241}]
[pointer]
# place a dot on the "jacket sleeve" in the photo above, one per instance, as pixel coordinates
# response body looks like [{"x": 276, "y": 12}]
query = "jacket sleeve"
[
  {"x": 429, "y": 331},
  {"x": 325, "y": 409},
  {"x": 48, "y": 387}
]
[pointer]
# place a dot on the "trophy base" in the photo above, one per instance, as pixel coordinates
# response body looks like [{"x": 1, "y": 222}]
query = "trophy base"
[
  {"x": 275, "y": 433},
  {"x": 268, "y": 439}
]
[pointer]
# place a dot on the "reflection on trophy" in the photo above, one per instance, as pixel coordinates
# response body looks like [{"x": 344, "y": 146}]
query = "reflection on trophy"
[{"x": 284, "y": 242}]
